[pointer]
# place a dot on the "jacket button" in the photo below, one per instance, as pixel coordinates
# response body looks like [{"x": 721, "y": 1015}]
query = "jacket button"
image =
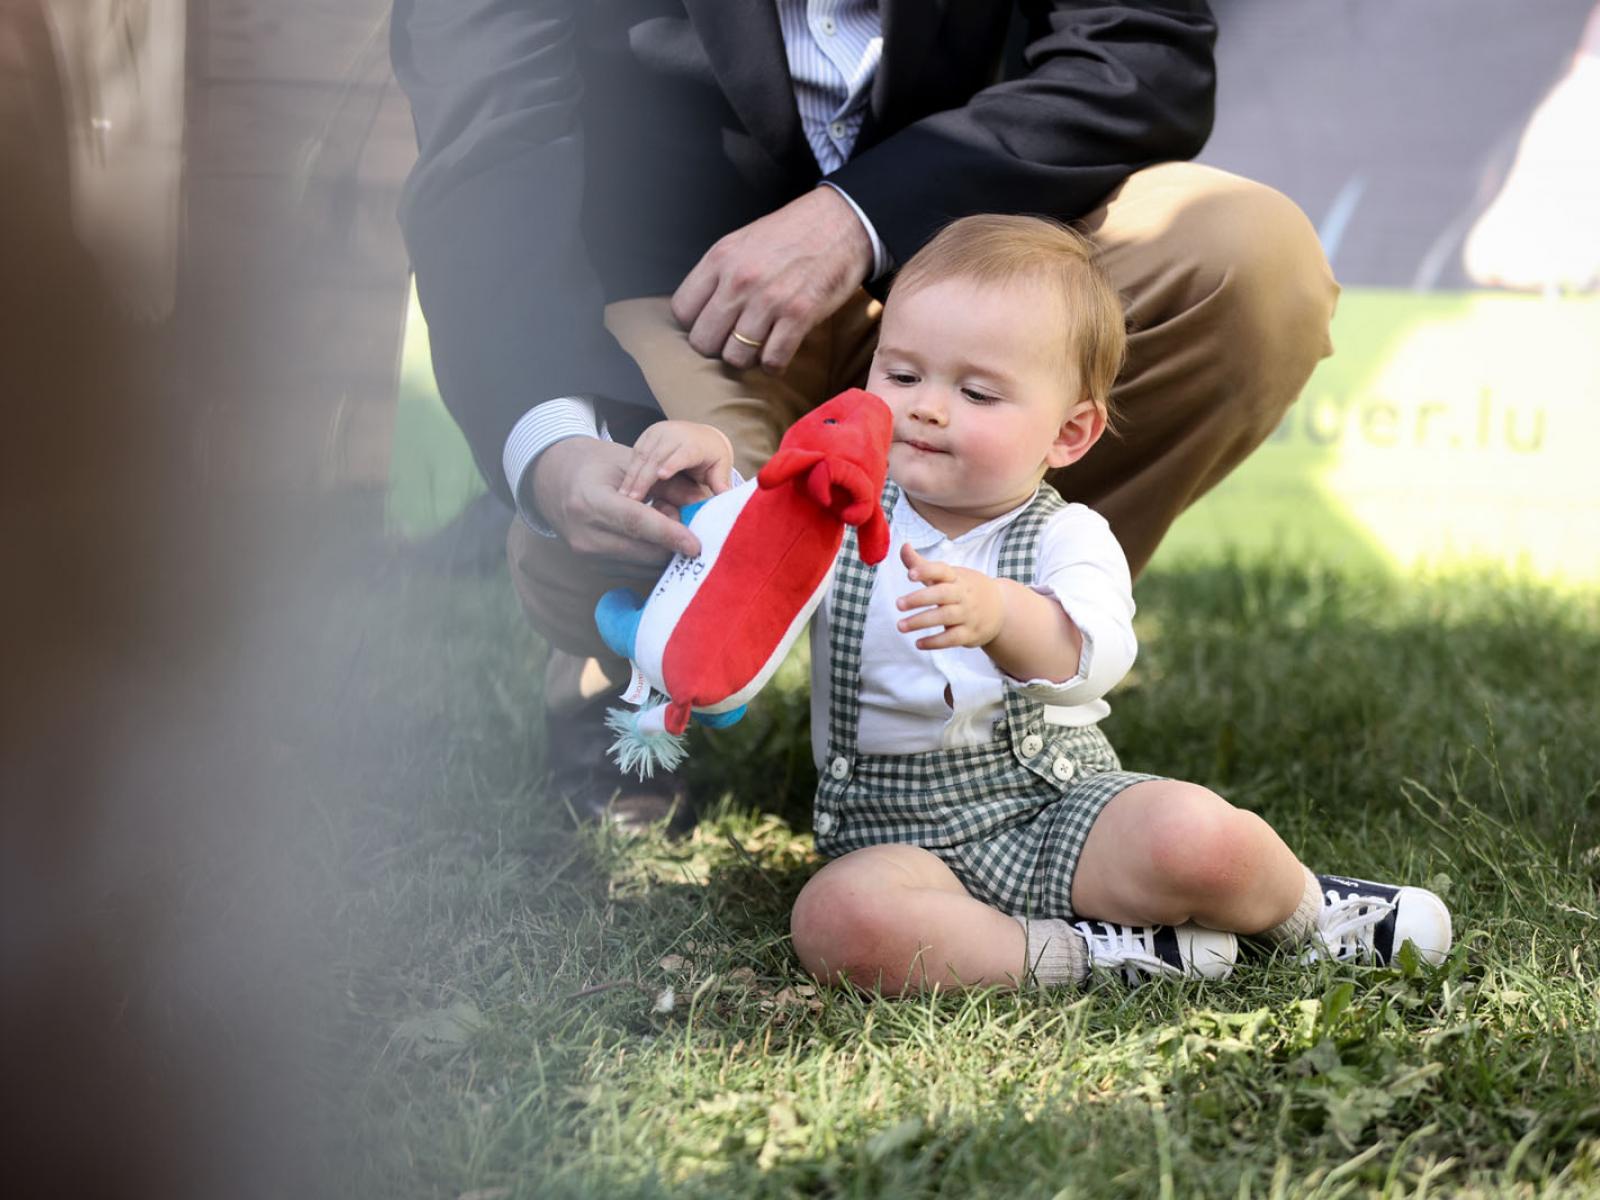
[
  {"x": 1061, "y": 769},
  {"x": 1031, "y": 745},
  {"x": 822, "y": 823},
  {"x": 839, "y": 768}
]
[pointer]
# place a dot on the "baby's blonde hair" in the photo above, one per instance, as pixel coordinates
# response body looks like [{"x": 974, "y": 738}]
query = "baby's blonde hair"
[{"x": 994, "y": 248}]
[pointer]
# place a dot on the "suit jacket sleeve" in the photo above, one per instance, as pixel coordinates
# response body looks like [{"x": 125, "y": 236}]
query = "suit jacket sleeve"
[
  {"x": 1109, "y": 88},
  {"x": 491, "y": 215}
]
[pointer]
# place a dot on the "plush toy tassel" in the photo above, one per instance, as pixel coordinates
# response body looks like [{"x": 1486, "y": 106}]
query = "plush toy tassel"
[{"x": 642, "y": 742}]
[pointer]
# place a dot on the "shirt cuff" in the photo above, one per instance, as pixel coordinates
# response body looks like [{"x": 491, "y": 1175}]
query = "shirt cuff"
[
  {"x": 1048, "y": 691},
  {"x": 540, "y": 428},
  {"x": 881, "y": 262}
]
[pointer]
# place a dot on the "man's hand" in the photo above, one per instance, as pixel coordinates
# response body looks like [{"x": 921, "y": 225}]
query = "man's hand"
[
  {"x": 773, "y": 281},
  {"x": 577, "y": 488},
  {"x": 701, "y": 453},
  {"x": 968, "y": 604}
]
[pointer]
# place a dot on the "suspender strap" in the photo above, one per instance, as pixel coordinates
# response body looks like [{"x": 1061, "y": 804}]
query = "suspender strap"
[{"x": 852, "y": 592}]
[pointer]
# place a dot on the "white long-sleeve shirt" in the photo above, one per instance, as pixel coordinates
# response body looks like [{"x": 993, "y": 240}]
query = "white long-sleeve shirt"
[{"x": 902, "y": 689}]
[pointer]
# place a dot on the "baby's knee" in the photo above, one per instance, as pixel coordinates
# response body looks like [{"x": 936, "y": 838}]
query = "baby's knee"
[
  {"x": 1199, "y": 845},
  {"x": 839, "y": 925}
]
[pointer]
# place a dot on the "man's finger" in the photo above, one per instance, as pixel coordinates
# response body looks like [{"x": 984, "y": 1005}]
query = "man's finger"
[
  {"x": 714, "y": 326},
  {"x": 752, "y": 323},
  {"x": 697, "y": 288},
  {"x": 616, "y": 527},
  {"x": 644, "y": 524},
  {"x": 782, "y": 344}
]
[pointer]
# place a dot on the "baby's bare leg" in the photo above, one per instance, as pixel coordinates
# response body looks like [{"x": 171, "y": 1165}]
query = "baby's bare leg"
[
  {"x": 895, "y": 917},
  {"x": 1165, "y": 852}
]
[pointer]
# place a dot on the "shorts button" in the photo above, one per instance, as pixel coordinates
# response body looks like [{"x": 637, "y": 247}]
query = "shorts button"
[
  {"x": 1061, "y": 769},
  {"x": 822, "y": 823},
  {"x": 1031, "y": 745},
  {"x": 839, "y": 768}
]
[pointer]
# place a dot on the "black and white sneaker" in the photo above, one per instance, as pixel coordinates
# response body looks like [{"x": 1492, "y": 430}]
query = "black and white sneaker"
[
  {"x": 1147, "y": 950},
  {"x": 1362, "y": 921}
]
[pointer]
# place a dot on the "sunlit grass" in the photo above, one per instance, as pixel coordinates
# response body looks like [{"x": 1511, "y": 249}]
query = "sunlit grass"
[{"x": 546, "y": 1010}]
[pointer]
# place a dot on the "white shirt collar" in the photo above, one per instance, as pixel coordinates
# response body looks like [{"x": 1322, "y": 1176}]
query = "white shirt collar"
[{"x": 912, "y": 527}]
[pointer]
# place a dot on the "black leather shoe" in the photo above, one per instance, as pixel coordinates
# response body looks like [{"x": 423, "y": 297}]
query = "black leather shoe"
[{"x": 580, "y": 771}]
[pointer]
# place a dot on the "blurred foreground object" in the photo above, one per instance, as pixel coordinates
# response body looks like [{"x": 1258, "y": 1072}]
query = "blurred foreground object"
[
  {"x": 122, "y": 68},
  {"x": 157, "y": 960},
  {"x": 292, "y": 275}
]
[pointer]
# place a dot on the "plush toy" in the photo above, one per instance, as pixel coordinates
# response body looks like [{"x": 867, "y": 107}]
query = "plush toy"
[{"x": 716, "y": 627}]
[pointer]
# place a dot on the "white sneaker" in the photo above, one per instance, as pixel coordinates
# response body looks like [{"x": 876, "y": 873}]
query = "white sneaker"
[
  {"x": 1139, "y": 950},
  {"x": 1362, "y": 921}
]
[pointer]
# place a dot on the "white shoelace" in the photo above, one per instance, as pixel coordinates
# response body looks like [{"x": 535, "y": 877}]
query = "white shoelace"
[
  {"x": 1345, "y": 927},
  {"x": 1128, "y": 948}
]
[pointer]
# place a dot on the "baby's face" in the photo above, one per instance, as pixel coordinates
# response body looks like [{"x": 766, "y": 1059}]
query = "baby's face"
[{"x": 980, "y": 387}]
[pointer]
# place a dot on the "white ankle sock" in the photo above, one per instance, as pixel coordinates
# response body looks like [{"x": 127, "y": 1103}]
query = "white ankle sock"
[
  {"x": 1299, "y": 925},
  {"x": 1057, "y": 953}
]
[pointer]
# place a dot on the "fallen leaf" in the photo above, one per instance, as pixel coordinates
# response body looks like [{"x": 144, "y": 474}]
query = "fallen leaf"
[
  {"x": 792, "y": 997},
  {"x": 673, "y": 962},
  {"x": 440, "y": 1030}
]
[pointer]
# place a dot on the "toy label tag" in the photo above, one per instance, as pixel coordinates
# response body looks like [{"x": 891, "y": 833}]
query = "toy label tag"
[{"x": 638, "y": 687}]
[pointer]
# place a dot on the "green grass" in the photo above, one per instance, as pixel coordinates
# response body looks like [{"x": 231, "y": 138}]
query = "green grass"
[{"x": 503, "y": 973}]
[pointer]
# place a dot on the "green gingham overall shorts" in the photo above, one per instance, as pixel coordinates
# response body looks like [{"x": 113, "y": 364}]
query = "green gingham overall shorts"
[{"x": 1009, "y": 817}]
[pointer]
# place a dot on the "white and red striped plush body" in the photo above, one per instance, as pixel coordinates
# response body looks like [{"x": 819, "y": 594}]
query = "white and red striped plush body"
[{"x": 715, "y": 627}]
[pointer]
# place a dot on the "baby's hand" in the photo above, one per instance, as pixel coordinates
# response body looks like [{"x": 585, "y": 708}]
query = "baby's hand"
[
  {"x": 967, "y": 603},
  {"x": 668, "y": 448}
]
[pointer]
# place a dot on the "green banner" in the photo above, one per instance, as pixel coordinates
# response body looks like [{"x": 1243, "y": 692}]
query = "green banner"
[{"x": 1446, "y": 429}]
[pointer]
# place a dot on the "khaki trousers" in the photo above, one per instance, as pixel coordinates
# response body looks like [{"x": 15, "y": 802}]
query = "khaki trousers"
[{"x": 1228, "y": 298}]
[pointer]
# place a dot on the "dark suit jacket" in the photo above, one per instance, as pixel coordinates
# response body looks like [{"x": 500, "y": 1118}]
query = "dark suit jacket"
[{"x": 575, "y": 152}]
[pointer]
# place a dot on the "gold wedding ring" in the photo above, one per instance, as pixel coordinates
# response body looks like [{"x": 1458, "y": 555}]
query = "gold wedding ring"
[{"x": 744, "y": 341}]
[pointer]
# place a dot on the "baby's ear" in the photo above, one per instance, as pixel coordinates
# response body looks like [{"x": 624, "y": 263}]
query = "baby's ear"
[{"x": 1078, "y": 433}]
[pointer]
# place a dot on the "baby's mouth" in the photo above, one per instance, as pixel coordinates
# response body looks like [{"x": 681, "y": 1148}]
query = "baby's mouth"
[{"x": 924, "y": 447}]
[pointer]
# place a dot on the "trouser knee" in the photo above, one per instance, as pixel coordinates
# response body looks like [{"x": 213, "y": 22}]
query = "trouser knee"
[{"x": 1260, "y": 265}]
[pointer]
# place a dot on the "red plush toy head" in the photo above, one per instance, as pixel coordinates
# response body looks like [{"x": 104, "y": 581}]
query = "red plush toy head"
[{"x": 839, "y": 454}]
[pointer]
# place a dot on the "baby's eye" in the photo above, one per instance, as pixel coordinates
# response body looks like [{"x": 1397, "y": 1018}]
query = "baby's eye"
[
  {"x": 978, "y": 397},
  {"x": 901, "y": 377}
]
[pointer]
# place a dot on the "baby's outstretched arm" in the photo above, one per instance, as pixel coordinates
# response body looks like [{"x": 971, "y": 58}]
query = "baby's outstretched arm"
[
  {"x": 1027, "y": 635},
  {"x": 668, "y": 448}
]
